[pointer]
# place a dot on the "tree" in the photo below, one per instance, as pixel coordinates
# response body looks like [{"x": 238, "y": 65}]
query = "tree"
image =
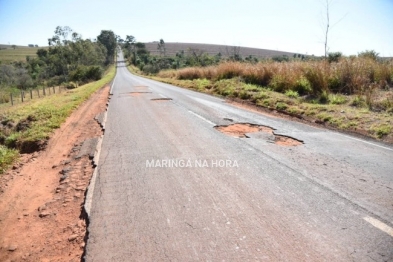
[
  {"x": 108, "y": 39},
  {"x": 13, "y": 46},
  {"x": 371, "y": 54},
  {"x": 61, "y": 36},
  {"x": 327, "y": 27},
  {"x": 334, "y": 57},
  {"x": 130, "y": 46},
  {"x": 161, "y": 47}
]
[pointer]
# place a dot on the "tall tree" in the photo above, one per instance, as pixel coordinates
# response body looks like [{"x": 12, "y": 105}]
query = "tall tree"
[
  {"x": 108, "y": 39},
  {"x": 161, "y": 47}
]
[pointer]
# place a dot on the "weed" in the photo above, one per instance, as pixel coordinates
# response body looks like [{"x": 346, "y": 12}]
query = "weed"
[
  {"x": 358, "y": 101},
  {"x": 292, "y": 94},
  {"x": 381, "y": 130},
  {"x": 323, "y": 97},
  {"x": 324, "y": 117},
  {"x": 281, "y": 106},
  {"x": 7, "y": 157},
  {"x": 337, "y": 99}
]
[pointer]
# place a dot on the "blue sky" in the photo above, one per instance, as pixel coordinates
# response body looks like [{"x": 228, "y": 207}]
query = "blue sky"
[{"x": 287, "y": 25}]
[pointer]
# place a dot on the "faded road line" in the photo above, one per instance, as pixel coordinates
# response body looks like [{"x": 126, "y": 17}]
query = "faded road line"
[
  {"x": 380, "y": 225},
  {"x": 201, "y": 117},
  {"x": 366, "y": 142}
]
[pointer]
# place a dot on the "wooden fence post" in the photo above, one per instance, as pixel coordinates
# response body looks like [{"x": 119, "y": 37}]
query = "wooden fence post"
[
  {"x": 12, "y": 100},
  {"x": 31, "y": 94},
  {"x": 22, "y": 95},
  {"x": 43, "y": 91}
]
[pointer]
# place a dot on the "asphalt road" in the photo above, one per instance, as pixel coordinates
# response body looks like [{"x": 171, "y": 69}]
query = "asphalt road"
[{"x": 170, "y": 187}]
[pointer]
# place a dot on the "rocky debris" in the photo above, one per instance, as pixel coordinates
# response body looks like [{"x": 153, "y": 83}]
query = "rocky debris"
[
  {"x": 44, "y": 214},
  {"x": 42, "y": 208},
  {"x": 88, "y": 148},
  {"x": 100, "y": 118},
  {"x": 12, "y": 248},
  {"x": 72, "y": 237},
  {"x": 63, "y": 177},
  {"x": 65, "y": 171}
]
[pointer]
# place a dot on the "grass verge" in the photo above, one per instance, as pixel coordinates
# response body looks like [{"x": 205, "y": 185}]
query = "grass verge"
[{"x": 25, "y": 128}]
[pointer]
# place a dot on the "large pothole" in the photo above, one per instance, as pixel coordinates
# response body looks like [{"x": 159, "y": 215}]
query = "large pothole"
[{"x": 242, "y": 129}]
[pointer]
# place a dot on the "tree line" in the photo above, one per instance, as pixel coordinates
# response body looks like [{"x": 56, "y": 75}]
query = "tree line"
[{"x": 68, "y": 59}]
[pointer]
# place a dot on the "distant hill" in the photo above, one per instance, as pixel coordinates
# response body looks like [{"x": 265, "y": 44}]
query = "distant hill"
[{"x": 226, "y": 51}]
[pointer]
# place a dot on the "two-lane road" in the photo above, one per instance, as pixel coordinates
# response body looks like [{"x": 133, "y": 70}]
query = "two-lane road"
[{"x": 171, "y": 187}]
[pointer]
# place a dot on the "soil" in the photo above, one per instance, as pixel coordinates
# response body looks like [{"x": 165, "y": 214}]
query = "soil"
[{"x": 41, "y": 197}]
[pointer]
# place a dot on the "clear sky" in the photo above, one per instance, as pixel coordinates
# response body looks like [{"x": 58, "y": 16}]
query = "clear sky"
[{"x": 285, "y": 25}]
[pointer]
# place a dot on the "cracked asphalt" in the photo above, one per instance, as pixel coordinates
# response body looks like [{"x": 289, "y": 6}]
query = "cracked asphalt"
[{"x": 170, "y": 187}]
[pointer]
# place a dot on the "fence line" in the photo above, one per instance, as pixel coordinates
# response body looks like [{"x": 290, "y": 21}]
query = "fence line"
[{"x": 45, "y": 91}]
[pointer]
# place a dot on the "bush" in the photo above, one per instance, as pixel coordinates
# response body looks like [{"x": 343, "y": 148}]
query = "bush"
[
  {"x": 337, "y": 99},
  {"x": 334, "y": 57},
  {"x": 84, "y": 74},
  {"x": 302, "y": 86},
  {"x": 292, "y": 94},
  {"x": 71, "y": 85},
  {"x": 358, "y": 101},
  {"x": 281, "y": 106}
]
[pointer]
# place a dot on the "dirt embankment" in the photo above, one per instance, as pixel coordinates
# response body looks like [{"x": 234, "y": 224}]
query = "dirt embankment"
[{"x": 41, "y": 198}]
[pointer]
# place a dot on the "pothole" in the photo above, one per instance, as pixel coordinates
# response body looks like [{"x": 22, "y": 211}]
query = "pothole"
[
  {"x": 161, "y": 99},
  {"x": 242, "y": 129},
  {"x": 138, "y": 93},
  {"x": 287, "y": 141},
  {"x": 228, "y": 119}
]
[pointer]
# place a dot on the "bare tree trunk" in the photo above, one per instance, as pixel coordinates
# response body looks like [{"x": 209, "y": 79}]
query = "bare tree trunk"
[{"x": 327, "y": 28}]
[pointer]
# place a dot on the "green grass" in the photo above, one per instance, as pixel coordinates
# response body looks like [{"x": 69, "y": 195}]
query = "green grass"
[
  {"x": 18, "y": 54},
  {"x": 48, "y": 113},
  {"x": 7, "y": 157}
]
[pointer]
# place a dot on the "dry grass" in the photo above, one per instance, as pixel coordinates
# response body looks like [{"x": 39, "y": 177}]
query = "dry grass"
[
  {"x": 354, "y": 94},
  {"x": 18, "y": 54}
]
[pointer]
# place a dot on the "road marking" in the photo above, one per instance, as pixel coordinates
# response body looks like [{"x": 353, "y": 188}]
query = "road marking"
[
  {"x": 366, "y": 142},
  {"x": 201, "y": 117},
  {"x": 113, "y": 84},
  {"x": 380, "y": 225}
]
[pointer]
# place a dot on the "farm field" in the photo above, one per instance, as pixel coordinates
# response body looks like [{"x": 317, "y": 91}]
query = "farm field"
[
  {"x": 225, "y": 50},
  {"x": 18, "y": 54}
]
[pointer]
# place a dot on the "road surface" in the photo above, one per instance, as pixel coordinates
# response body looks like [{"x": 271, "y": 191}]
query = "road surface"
[{"x": 171, "y": 187}]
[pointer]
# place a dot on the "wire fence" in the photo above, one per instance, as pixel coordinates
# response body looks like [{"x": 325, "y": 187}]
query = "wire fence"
[{"x": 22, "y": 96}]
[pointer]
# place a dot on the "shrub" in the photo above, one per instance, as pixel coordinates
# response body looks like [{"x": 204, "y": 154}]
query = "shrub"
[
  {"x": 323, "y": 97},
  {"x": 84, "y": 74},
  {"x": 71, "y": 85},
  {"x": 358, "y": 101},
  {"x": 337, "y": 99},
  {"x": 302, "y": 86},
  {"x": 279, "y": 83},
  {"x": 292, "y": 94},
  {"x": 281, "y": 106},
  {"x": 381, "y": 130},
  {"x": 334, "y": 57}
]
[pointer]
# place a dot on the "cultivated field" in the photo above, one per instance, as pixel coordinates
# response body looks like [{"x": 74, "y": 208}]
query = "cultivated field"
[
  {"x": 173, "y": 48},
  {"x": 18, "y": 54}
]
